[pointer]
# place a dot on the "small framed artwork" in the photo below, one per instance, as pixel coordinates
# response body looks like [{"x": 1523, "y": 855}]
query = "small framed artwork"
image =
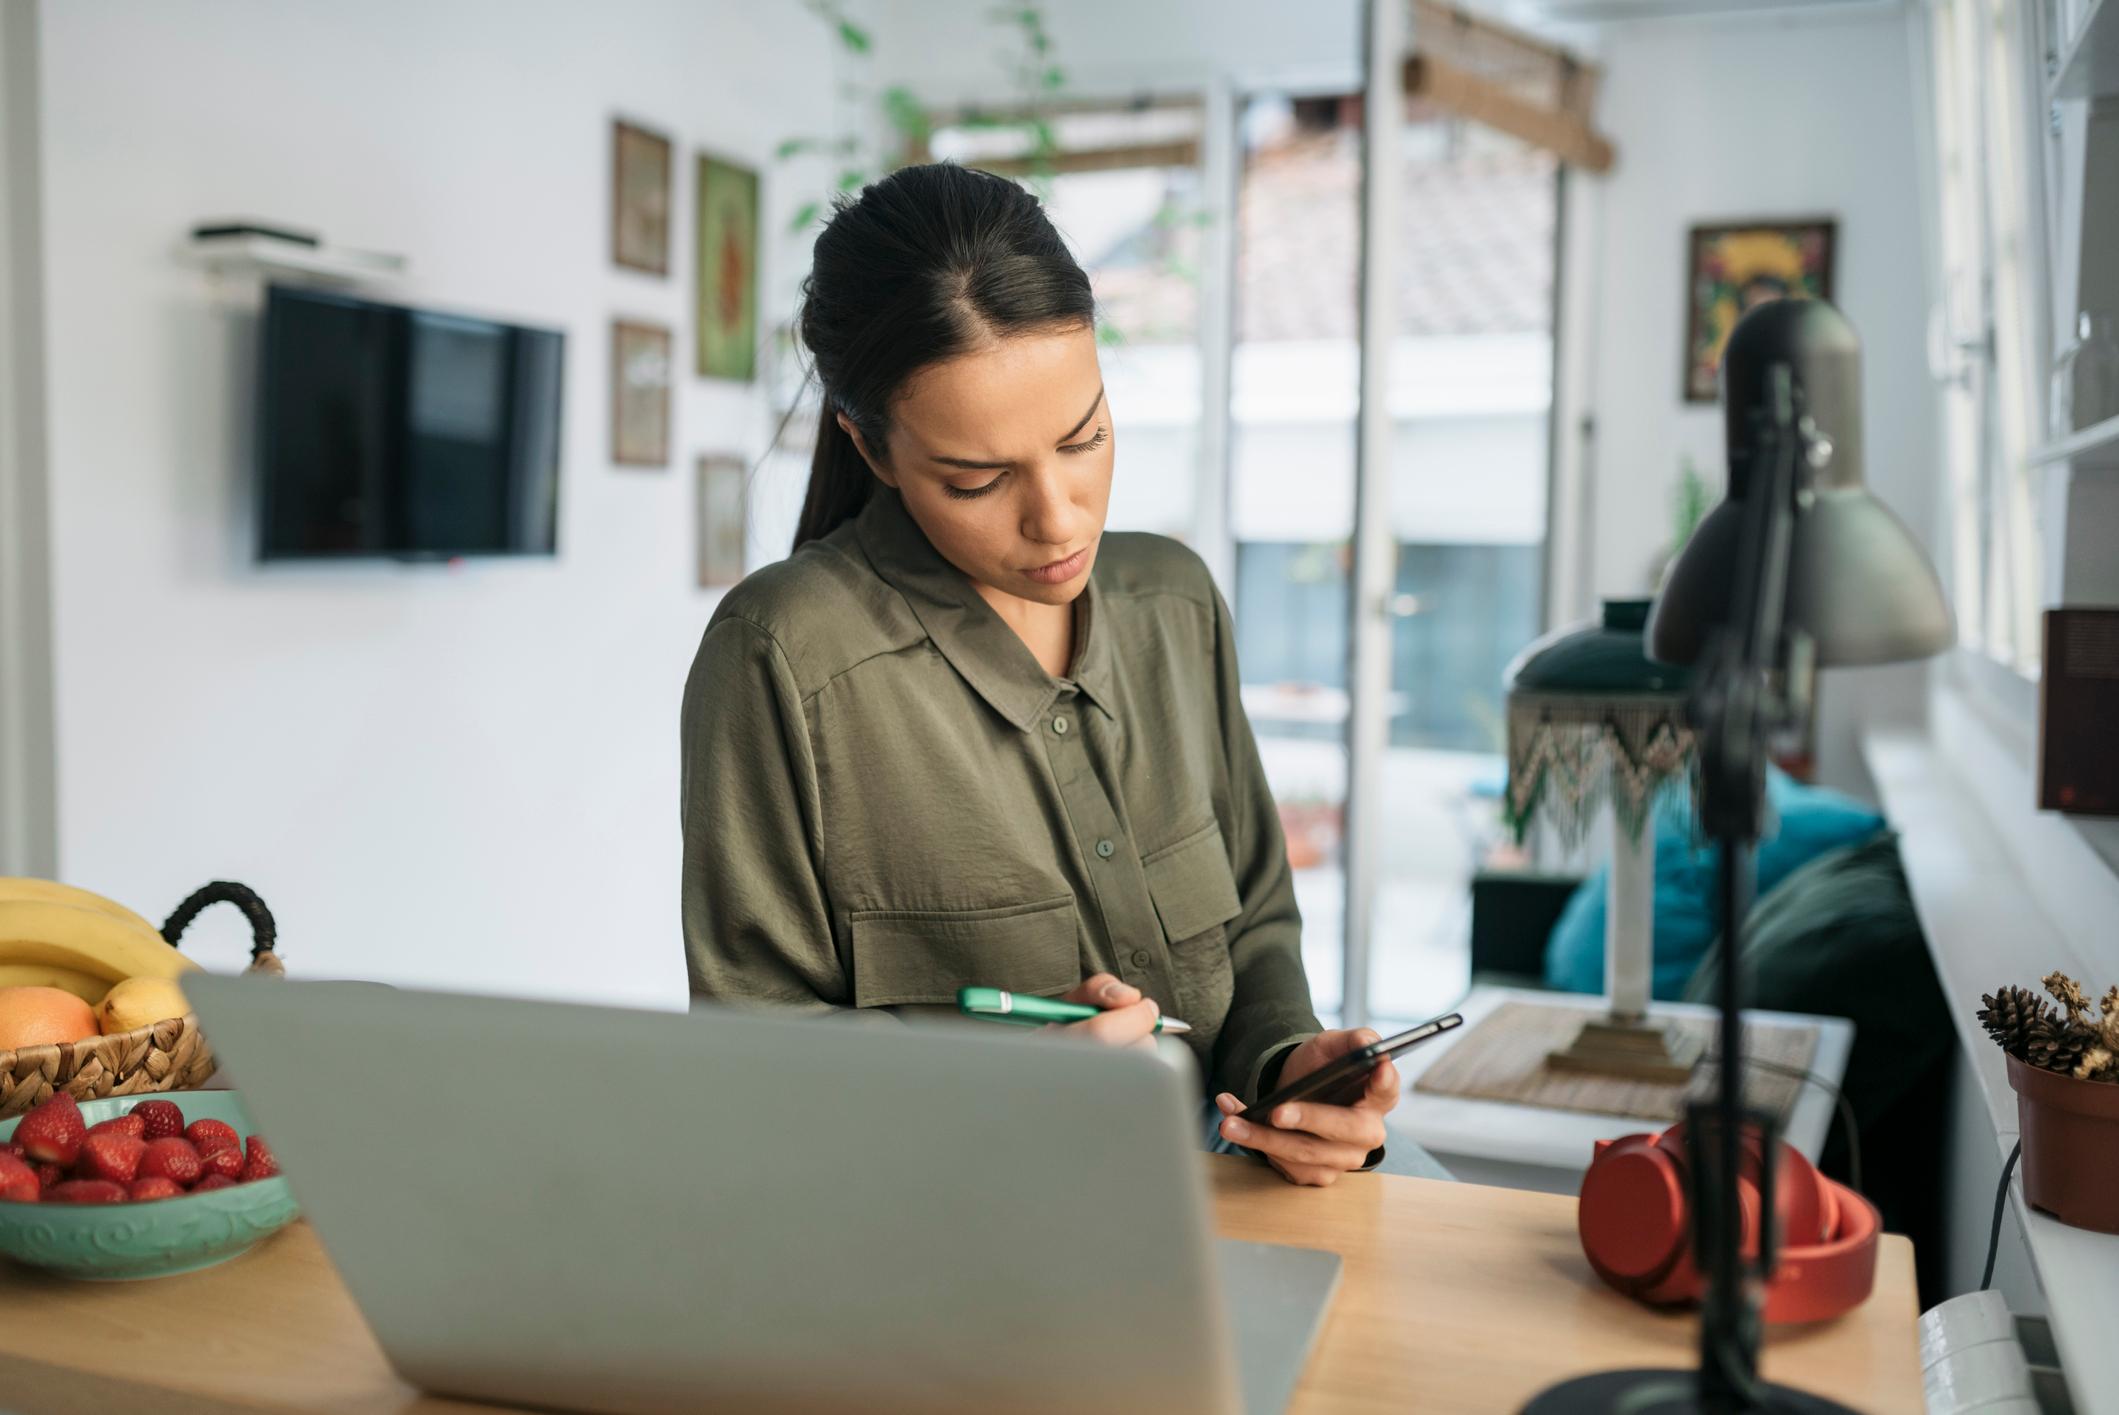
[
  {"x": 640, "y": 394},
  {"x": 1736, "y": 265},
  {"x": 640, "y": 198},
  {"x": 727, "y": 271},
  {"x": 721, "y": 520}
]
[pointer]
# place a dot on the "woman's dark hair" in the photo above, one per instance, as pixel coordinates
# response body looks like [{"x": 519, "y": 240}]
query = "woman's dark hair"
[{"x": 923, "y": 266}]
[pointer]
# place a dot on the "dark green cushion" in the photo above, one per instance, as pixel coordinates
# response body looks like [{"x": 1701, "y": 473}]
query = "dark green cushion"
[{"x": 1840, "y": 938}]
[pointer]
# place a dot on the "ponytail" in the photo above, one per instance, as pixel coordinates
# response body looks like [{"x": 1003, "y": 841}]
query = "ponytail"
[
  {"x": 839, "y": 481},
  {"x": 926, "y": 264}
]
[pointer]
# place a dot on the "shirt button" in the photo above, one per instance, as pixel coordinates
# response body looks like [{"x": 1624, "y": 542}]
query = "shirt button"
[
  {"x": 1059, "y": 725},
  {"x": 1140, "y": 957},
  {"x": 1106, "y": 849}
]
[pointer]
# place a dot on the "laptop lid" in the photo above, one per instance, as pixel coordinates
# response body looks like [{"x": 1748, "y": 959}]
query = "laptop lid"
[{"x": 630, "y": 1211}]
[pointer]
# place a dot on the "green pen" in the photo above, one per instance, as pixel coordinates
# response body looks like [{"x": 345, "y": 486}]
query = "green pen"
[{"x": 997, "y": 1006}]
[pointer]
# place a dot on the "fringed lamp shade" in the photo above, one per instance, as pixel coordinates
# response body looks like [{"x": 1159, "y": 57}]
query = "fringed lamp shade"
[{"x": 1592, "y": 720}]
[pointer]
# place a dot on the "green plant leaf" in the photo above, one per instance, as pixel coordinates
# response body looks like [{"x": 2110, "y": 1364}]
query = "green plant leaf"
[
  {"x": 1109, "y": 335},
  {"x": 854, "y": 37},
  {"x": 808, "y": 212},
  {"x": 1053, "y": 77},
  {"x": 852, "y": 179},
  {"x": 792, "y": 147}
]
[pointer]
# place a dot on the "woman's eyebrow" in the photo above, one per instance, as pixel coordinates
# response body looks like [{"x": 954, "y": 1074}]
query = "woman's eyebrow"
[{"x": 970, "y": 466}]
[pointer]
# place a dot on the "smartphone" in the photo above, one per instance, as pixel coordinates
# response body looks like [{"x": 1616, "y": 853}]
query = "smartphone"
[{"x": 1341, "y": 1082}]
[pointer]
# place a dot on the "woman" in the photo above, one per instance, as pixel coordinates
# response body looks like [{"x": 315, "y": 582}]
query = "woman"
[{"x": 964, "y": 737}]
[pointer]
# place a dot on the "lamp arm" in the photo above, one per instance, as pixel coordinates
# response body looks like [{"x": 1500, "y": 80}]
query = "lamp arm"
[{"x": 1735, "y": 709}]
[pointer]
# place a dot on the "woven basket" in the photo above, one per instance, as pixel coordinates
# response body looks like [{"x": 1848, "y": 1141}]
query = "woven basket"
[{"x": 167, "y": 1056}]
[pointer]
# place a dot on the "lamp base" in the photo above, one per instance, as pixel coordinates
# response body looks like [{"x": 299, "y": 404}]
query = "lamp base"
[
  {"x": 1654, "y": 1392},
  {"x": 1639, "y": 1051}
]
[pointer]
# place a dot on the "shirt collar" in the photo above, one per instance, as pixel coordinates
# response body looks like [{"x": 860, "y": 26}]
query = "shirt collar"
[{"x": 984, "y": 651}]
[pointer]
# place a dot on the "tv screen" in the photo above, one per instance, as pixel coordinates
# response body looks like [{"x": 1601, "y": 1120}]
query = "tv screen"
[{"x": 389, "y": 431}]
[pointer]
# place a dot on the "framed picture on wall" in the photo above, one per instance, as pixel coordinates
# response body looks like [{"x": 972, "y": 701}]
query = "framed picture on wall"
[
  {"x": 640, "y": 198},
  {"x": 721, "y": 520},
  {"x": 640, "y": 394},
  {"x": 1735, "y": 265},
  {"x": 727, "y": 270}
]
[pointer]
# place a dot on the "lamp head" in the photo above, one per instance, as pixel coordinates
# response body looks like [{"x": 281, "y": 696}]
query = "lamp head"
[{"x": 1858, "y": 582}]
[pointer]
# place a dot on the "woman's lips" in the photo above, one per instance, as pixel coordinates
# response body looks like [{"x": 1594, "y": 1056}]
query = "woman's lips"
[{"x": 1061, "y": 571}]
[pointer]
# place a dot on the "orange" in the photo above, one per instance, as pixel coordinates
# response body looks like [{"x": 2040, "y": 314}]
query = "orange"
[{"x": 31, "y": 1017}]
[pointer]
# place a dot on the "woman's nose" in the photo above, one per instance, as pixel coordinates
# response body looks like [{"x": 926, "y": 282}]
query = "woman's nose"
[{"x": 1049, "y": 513}]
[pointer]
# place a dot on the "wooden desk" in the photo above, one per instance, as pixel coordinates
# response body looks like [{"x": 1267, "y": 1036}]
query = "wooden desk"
[{"x": 1455, "y": 1297}]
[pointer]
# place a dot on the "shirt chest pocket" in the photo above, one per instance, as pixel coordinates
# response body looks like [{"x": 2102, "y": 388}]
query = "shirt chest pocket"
[
  {"x": 905, "y": 956},
  {"x": 1195, "y": 897}
]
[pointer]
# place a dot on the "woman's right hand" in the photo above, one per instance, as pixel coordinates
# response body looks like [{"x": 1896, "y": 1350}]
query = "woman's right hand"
[{"x": 1128, "y": 1019}]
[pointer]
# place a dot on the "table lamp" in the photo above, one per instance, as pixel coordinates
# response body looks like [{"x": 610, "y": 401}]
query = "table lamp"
[
  {"x": 1593, "y": 721},
  {"x": 1799, "y": 567}
]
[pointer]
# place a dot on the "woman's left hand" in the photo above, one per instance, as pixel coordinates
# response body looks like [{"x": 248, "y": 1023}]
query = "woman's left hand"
[{"x": 1311, "y": 1143}]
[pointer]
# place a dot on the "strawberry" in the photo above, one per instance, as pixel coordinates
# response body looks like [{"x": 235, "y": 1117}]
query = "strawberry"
[
  {"x": 49, "y": 1175},
  {"x": 206, "y": 1136},
  {"x": 18, "y": 1181},
  {"x": 162, "y": 1119},
  {"x": 86, "y": 1191},
  {"x": 14, "y": 1147},
  {"x": 258, "y": 1162},
  {"x": 111, "y": 1155},
  {"x": 52, "y": 1132},
  {"x": 227, "y": 1163},
  {"x": 170, "y": 1157},
  {"x": 121, "y": 1125},
  {"x": 145, "y": 1189},
  {"x": 213, "y": 1181}
]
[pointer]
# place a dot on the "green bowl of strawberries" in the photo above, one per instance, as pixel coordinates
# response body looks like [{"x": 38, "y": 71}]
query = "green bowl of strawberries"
[{"x": 136, "y": 1186}]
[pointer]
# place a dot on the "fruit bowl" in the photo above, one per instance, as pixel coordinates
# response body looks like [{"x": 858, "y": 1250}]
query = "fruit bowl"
[{"x": 157, "y": 1237}]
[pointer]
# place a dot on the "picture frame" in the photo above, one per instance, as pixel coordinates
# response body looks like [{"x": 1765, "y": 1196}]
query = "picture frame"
[
  {"x": 1731, "y": 266},
  {"x": 726, "y": 270},
  {"x": 640, "y": 394},
  {"x": 723, "y": 528},
  {"x": 641, "y": 172}
]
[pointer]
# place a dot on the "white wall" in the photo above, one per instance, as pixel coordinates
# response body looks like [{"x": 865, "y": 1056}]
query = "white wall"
[
  {"x": 1733, "y": 119},
  {"x": 27, "y": 835},
  {"x": 457, "y": 777}
]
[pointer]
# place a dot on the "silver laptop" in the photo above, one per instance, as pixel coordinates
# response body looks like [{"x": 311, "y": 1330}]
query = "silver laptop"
[{"x": 592, "y": 1209}]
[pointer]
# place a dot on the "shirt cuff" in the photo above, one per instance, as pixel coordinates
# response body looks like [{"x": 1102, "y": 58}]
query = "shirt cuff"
[{"x": 1265, "y": 1072}]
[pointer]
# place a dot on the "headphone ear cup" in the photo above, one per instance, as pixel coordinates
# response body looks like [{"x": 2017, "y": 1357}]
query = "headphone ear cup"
[
  {"x": 1808, "y": 1211},
  {"x": 1634, "y": 1220}
]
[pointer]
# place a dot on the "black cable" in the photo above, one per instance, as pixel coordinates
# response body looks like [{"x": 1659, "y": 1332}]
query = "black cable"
[
  {"x": 2001, "y": 1201},
  {"x": 1839, "y": 1100}
]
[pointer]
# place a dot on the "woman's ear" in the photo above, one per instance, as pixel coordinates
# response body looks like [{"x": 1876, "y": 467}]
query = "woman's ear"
[{"x": 860, "y": 444}]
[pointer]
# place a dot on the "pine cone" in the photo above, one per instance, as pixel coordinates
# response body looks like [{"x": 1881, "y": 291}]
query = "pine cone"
[
  {"x": 2009, "y": 1016},
  {"x": 2058, "y": 1045},
  {"x": 2068, "y": 993}
]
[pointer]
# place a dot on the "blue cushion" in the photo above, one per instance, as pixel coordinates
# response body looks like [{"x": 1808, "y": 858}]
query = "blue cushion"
[{"x": 1804, "y": 823}]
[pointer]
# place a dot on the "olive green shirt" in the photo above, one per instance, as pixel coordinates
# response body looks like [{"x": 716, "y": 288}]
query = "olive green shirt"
[{"x": 886, "y": 797}]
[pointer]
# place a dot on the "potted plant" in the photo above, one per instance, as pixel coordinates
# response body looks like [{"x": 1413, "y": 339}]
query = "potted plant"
[{"x": 2064, "y": 1067}]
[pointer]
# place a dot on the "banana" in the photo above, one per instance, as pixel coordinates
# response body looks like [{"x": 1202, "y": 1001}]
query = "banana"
[
  {"x": 86, "y": 986},
  {"x": 85, "y": 940},
  {"x": 53, "y": 892}
]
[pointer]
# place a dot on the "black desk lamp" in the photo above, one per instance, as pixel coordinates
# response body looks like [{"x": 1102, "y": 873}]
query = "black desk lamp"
[{"x": 1798, "y": 568}]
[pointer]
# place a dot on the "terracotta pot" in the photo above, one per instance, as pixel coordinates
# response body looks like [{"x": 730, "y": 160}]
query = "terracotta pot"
[{"x": 2070, "y": 1145}]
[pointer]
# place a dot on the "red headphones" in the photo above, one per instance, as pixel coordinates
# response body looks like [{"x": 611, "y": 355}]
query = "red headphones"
[{"x": 1636, "y": 1227}]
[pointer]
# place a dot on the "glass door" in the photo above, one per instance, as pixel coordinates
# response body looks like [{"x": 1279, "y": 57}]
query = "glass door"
[{"x": 1469, "y": 395}]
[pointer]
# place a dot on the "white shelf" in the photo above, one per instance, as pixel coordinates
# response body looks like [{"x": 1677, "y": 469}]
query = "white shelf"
[
  {"x": 265, "y": 256},
  {"x": 2095, "y": 447},
  {"x": 1987, "y": 924},
  {"x": 2091, "y": 66}
]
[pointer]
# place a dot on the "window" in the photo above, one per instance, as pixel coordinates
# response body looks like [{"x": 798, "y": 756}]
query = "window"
[{"x": 1987, "y": 94}]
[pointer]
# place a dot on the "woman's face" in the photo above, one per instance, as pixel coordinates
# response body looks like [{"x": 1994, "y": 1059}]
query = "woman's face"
[{"x": 1003, "y": 457}]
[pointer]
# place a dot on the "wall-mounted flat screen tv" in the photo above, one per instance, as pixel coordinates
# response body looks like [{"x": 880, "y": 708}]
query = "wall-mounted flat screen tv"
[{"x": 406, "y": 433}]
